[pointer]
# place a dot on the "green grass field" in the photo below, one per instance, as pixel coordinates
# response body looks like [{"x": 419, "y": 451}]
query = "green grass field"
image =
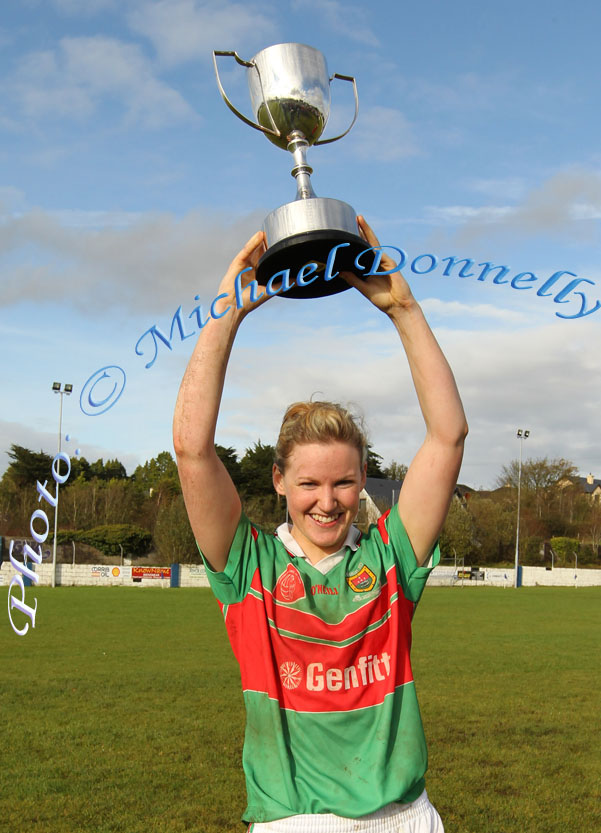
[{"x": 121, "y": 711}]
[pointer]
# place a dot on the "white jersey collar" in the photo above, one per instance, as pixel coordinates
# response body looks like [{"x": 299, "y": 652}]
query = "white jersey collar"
[{"x": 325, "y": 564}]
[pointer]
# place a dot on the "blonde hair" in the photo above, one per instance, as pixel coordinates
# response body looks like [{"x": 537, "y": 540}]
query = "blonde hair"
[{"x": 318, "y": 422}]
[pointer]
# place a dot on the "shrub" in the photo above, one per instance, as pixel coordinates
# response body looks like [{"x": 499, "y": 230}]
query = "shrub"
[{"x": 564, "y": 548}]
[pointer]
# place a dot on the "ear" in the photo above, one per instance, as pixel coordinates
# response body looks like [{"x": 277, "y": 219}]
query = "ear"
[{"x": 278, "y": 481}]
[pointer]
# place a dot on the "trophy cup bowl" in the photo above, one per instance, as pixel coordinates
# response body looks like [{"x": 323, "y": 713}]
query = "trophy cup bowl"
[{"x": 289, "y": 87}]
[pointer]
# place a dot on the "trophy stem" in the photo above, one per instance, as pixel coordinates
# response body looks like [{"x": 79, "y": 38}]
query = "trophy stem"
[{"x": 302, "y": 171}]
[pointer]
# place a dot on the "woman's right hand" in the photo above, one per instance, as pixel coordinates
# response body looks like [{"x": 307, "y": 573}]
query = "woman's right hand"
[{"x": 245, "y": 262}]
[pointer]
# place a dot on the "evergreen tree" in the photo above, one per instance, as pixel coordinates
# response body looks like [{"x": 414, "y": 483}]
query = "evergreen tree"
[
  {"x": 111, "y": 470},
  {"x": 159, "y": 472},
  {"x": 256, "y": 467},
  {"x": 374, "y": 463},
  {"x": 27, "y": 466},
  {"x": 229, "y": 458}
]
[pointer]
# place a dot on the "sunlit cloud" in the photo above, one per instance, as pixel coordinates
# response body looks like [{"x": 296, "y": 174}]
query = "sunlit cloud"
[
  {"x": 189, "y": 30},
  {"x": 85, "y": 73},
  {"x": 376, "y": 122}
]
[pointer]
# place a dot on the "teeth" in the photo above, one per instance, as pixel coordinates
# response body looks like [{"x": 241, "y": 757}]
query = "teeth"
[{"x": 324, "y": 519}]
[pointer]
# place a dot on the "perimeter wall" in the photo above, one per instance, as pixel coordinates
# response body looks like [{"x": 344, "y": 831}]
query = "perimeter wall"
[{"x": 194, "y": 575}]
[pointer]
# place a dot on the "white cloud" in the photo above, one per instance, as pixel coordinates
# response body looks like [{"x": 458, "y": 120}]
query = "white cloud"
[
  {"x": 189, "y": 30},
  {"x": 16, "y": 433},
  {"x": 141, "y": 264},
  {"x": 468, "y": 91},
  {"x": 11, "y": 199},
  {"x": 8, "y": 124},
  {"x": 435, "y": 307},
  {"x": 557, "y": 203},
  {"x": 583, "y": 211},
  {"x": 87, "y": 8},
  {"x": 73, "y": 218},
  {"x": 566, "y": 203},
  {"x": 7, "y": 36},
  {"x": 352, "y": 22},
  {"x": 537, "y": 377},
  {"x": 82, "y": 73},
  {"x": 49, "y": 156},
  {"x": 383, "y": 134},
  {"x": 531, "y": 377},
  {"x": 511, "y": 188},
  {"x": 454, "y": 214}
]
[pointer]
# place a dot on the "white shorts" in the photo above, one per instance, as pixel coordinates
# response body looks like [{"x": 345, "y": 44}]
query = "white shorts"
[{"x": 418, "y": 817}]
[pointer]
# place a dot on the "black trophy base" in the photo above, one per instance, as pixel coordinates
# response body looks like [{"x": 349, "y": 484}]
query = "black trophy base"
[{"x": 314, "y": 247}]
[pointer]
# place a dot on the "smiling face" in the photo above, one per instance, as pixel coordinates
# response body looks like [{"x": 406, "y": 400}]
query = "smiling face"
[{"x": 321, "y": 483}]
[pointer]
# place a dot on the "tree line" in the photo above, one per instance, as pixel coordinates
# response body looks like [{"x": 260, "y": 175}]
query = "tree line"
[
  {"x": 104, "y": 507},
  {"x": 559, "y": 523},
  {"x": 100, "y": 505}
]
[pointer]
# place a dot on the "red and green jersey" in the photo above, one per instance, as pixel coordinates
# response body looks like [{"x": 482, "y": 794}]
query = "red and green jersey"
[{"x": 333, "y": 724}]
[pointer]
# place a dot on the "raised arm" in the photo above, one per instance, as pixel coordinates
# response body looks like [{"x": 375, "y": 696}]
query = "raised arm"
[
  {"x": 211, "y": 498},
  {"x": 429, "y": 483}
]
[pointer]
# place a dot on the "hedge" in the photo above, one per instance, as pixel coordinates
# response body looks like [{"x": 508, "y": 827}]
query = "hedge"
[{"x": 106, "y": 538}]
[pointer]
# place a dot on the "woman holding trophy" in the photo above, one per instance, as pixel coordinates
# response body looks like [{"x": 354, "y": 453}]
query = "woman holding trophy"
[{"x": 318, "y": 615}]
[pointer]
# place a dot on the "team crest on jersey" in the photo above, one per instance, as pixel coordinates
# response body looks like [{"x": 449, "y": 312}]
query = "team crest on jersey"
[
  {"x": 289, "y": 587},
  {"x": 362, "y": 581}
]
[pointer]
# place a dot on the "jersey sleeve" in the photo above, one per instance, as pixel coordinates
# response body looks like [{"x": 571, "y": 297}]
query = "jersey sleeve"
[
  {"x": 413, "y": 578},
  {"x": 233, "y": 583}
]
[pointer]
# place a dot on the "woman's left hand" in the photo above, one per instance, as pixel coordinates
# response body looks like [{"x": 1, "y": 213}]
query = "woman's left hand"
[{"x": 386, "y": 292}]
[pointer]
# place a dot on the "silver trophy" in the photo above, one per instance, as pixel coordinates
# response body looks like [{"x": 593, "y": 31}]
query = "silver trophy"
[{"x": 289, "y": 88}]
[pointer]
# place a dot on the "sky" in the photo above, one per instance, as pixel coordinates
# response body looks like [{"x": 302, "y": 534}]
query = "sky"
[{"x": 127, "y": 187}]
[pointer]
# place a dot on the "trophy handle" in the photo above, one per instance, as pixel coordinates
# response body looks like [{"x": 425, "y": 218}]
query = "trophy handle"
[
  {"x": 241, "y": 116},
  {"x": 335, "y": 138}
]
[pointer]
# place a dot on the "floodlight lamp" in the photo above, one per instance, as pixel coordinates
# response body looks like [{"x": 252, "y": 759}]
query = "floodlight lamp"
[
  {"x": 68, "y": 389},
  {"x": 519, "y": 433},
  {"x": 526, "y": 434},
  {"x": 56, "y": 386}
]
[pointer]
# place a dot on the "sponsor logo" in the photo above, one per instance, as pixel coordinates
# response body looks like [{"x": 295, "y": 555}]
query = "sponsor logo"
[
  {"x": 321, "y": 589},
  {"x": 362, "y": 581},
  {"x": 368, "y": 669},
  {"x": 362, "y": 598},
  {"x": 289, "y": 587},
  {"x": 138, "y": 573},
  {"x": 290, "y": 674}
]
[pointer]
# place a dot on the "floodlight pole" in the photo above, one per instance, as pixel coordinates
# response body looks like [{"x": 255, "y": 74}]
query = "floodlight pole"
[
  {"x": 521, "y": 435},
  {"x": 57, "y": 387}
]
